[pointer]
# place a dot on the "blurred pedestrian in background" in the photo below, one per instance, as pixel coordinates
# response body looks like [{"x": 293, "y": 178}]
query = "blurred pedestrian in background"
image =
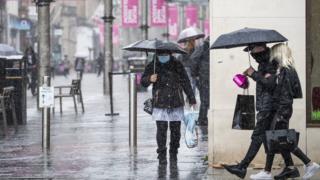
[
  {"x": 169, "y": 79},
  {"x": 200, "y": 72},
  {"x": 32, "y": 67},
  {"x": 79, "y": 66},
  {"x": 100, "y": 64},
  {"x": 67, "y": 65},
  {"x": 186, "y": 60},
  {"x": 191, "y": 37}
]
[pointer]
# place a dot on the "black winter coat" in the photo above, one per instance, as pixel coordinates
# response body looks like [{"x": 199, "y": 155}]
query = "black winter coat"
[
  {"x": 172, "y": 81},
  {"x": 288, "y": 87},
  {"x": 200, "y": 63},
  {"x": 185, "y": 59},
  {"x": 265, "y": 86}
]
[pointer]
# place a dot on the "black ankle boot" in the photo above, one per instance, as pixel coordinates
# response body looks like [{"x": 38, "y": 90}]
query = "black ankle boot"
[
  {"x": 237, "y": 170},
  {"x": 288, "y": 173}
]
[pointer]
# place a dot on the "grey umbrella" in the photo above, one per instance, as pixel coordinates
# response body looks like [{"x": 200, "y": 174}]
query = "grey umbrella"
[
  {"x": 247, "y": 36},
  {"x": 190, "y": 33},
  {"x": 156, "y": 46},
  {"x": 6, "y": 50}
]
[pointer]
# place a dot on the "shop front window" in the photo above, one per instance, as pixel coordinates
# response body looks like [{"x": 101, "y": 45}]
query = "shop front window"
[{"x": 313, "y": 63}]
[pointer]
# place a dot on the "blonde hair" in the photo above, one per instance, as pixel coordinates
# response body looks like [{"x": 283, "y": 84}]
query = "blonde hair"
[{"x": 283, "y": 55}]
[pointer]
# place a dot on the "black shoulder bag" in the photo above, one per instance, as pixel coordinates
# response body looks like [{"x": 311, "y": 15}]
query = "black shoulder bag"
[
  {"x": 148, "y": 104},
  {"x": 279, "y": 140}
]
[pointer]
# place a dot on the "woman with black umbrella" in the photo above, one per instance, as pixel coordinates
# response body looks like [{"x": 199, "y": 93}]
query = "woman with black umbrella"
[{"x": 169, "y": 80}]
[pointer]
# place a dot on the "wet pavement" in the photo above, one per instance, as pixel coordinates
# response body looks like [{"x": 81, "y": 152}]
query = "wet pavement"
[
  {"x": 92, "y": 145},
  {"x": 220, "y": 174}
]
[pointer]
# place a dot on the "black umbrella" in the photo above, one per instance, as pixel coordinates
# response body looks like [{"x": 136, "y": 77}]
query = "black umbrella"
[
  {"x": 247, "y": 36},
  {"x": 156, "y": 46}
]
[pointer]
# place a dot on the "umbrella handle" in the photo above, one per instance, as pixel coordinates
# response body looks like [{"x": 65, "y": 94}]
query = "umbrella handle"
[{"x": 249, "y": 58}]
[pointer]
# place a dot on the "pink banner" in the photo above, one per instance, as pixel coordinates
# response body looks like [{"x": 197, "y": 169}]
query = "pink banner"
[
  {"x": 206, "y": 26},
  {"x": 116, "y": 34},
  {"x": 173, "y": 20},
  {"x": 158, "y": 9},
  {"x": 130, "y": 13},
  {"x": 100, "y": 24},
  {"x": 191, "y": 15}
]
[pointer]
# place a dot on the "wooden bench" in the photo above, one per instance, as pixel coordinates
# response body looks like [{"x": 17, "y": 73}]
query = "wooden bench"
[
  {"x": 75, "y": 90},
  {"x": 7, "y": 103}
]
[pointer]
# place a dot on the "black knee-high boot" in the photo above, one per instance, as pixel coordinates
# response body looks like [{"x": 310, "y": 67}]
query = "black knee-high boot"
[
  {"x": 175, "y": 135},
  {"x": 162, "y": 127}
]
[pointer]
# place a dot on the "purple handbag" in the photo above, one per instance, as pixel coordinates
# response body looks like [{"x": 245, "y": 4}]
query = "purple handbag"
[{"x": 241, "y": 81}]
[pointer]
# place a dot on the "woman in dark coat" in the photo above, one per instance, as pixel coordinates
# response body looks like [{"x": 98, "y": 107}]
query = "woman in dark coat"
[
  {"x": 169, "y": 80},
  {"x": 288, "y": 88}
]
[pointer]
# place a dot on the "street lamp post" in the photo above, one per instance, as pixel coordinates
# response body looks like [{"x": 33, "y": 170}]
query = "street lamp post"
[
  {"x": 144, "y": 27},
  {"x": 108, "y": 65},
  {"x": 108, "y": 49},
  {"x": 44, "y": 62}
]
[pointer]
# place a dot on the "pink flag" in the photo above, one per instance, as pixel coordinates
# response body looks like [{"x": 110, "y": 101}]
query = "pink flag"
[
  {"x": 115, "y": 34},
  {"x": 191, "y": 15},
  {"x": 173, "y": 15},
  {"x": 130, "y": 13},
  {"x": 206, "y": 26},
  {"x": 100, "y": 24},
  {"x": 158, "y": 9}
]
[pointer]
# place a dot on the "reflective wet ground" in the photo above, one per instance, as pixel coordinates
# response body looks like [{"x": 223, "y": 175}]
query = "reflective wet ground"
[{"x": 92, "y": 145}]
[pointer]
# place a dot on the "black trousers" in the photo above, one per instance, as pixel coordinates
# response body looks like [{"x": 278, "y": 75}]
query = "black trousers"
[
  {"x": 204, "y": 105},
  {"x": 281, "y": 121},
  {"x": 175, "y": 134},
  {"x": 264, "y": 119}
]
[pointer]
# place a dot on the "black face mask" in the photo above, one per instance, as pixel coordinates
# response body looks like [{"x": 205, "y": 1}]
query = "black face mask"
[{"x": 261, "y": 56}]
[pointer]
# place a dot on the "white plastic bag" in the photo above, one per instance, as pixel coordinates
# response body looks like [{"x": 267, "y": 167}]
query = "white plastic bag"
[{"x": 191, "y": 134}]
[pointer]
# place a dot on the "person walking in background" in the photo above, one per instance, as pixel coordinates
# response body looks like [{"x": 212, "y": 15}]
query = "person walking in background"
[
  {"x": 100, "y": 63},
  {"x": 169, "y": 79},
  {"x": 287, "y": 88},
  {"x": 79, "y": 66},
  {"x": 264, "y": 90},
  {"x": 67, "y": 65},
  {"x": 32, "y": 67},
  {"x": 186, "y": 60},
  {"x": 64, "y": 66},
  {"x": 200, "y": 71}
]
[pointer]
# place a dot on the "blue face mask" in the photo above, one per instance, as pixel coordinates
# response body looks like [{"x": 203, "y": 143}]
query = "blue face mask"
[{"x": 164, "y": 59}]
